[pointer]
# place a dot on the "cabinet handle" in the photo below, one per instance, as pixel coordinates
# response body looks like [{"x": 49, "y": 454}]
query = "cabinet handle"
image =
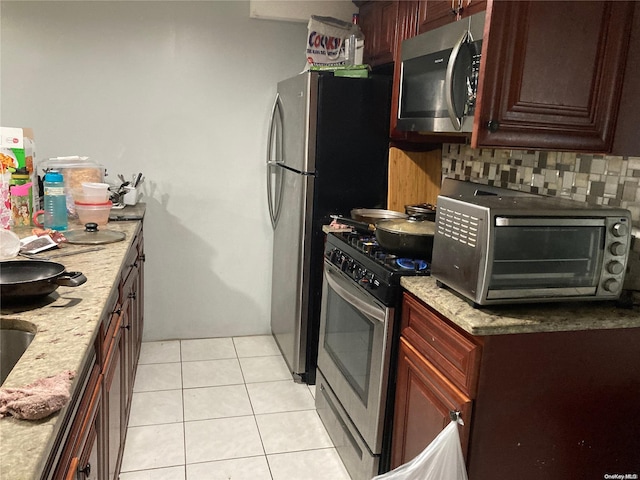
[
  {"x": 117, "y": 311},
  {"x": 493, "y": 126},
  {"x": 142, "y": 257},
  {"x": 455, "y": 415},
  {"x": 128, "y": 327},
  {"x": 132, "y": 295},
  {"x": 86, "y": 471}
]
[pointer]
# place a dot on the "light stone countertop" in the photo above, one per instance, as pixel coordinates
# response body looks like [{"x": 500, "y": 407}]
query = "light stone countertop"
[
  {"x": 531, "y": 318},
  {"x": 67, "y": 325}
]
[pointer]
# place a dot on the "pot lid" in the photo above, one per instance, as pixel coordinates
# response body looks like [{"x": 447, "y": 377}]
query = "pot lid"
[
  {"x": 373, "y": 215},
  {"x": 92, "y": 236},
  {"x": 410, "y": 226},
  {"x": 420, "y": 208}
]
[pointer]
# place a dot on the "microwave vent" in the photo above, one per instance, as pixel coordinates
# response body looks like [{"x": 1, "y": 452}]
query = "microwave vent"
[{"x": 461, "y": 227}]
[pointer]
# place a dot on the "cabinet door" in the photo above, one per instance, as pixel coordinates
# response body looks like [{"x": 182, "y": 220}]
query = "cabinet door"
[
  {"x": 551, "y": 74},
  {"x": 424, "y": 398},
  {"x": 436, "y": 13},
  {"x": 88, "y": 466},
  {"x": 113, "y": 401},
  {"x": 378, "y": 23},
  {"x": 86, "y": 457}
]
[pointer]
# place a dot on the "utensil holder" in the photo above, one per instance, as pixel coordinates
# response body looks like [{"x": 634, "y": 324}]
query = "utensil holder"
[{"x": 132, "y": 195}]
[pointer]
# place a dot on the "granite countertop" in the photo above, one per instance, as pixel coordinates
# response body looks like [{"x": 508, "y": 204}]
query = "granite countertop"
[
  {"x": 66, "y": 323},
  {"x": 532, "y": 318}
]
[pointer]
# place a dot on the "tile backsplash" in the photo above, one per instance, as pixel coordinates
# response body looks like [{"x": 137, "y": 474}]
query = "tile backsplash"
[{"x": 591, "y": 178}]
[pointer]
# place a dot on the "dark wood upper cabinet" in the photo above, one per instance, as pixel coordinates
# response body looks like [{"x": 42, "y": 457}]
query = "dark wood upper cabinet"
[
  {"x": 378, "y": 23},
  {"x": 436, "y": 13},
  {"x": 551, "y": 74}
]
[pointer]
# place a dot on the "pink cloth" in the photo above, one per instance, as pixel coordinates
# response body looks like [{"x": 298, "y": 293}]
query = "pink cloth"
[{"x": 38, "y": 399}]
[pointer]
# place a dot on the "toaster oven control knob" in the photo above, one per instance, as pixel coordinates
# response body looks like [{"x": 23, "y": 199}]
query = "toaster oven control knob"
[
  {"x": 620, "y": 230},
  {"x": 617, "y": 248},
  {"x": 615, "y": 268},
  {"x": 611, "y": 285}
]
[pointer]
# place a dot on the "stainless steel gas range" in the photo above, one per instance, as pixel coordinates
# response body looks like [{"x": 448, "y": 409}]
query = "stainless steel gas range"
[{"x": 358, "y": 338}]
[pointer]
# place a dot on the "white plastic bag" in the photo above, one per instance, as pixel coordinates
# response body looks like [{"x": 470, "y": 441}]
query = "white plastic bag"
[
  {"x": 325, "y": 41},
  {"x": 441, "y": 460}
]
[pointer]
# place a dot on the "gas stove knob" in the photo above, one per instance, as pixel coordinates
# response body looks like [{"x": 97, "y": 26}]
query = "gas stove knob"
[
  {"x": 371, "y": 281},
  {"x": 334, "y": 256},
  {"x": 345, "y": 263}
]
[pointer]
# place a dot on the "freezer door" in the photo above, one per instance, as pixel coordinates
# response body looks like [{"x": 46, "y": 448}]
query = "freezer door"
[
  {"x": 290, "y": 281},
  {"x": 274, "y": 158},
  {"x": 298, "y": 97}
]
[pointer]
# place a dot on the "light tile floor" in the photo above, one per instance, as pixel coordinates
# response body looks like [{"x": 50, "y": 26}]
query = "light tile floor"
[{"x": 220, "y": 409}]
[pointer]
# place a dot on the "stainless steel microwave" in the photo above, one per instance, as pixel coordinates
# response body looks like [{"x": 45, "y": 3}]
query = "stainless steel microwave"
[
  {"x": 439, "y": 78},
  {"x": 495, "y": 249}
]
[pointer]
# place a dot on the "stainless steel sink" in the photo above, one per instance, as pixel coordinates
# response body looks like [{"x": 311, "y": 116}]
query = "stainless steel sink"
[{"x": 13, "y": 343}]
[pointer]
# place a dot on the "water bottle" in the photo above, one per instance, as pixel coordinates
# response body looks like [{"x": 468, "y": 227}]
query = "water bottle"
[
  {"x": 55, "y": 201},
  {"x": 355, "y": 43}
]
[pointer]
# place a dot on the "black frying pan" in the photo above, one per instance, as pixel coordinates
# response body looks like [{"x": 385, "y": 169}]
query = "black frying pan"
[
  {"x": 411, "y": 237},
  {"x": 28, "y": 279}
]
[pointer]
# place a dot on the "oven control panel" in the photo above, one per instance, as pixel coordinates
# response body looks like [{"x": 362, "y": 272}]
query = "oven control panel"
[{"x": 353, "y": 269}]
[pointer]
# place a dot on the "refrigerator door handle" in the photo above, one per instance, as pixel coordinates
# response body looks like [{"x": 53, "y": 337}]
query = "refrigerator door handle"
[{"x": 274, "y": 192}]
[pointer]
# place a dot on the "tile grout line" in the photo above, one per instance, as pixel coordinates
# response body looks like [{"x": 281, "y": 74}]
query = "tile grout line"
[{"x": 184, "y": 424}]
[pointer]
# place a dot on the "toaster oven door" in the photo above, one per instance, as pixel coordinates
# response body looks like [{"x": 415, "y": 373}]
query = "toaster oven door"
[{"x": 545, "y": 257}]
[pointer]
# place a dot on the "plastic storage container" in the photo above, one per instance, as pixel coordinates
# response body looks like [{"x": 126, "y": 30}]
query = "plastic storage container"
[
  {"x": 93, "y": 212},
  {"x": 55, "y": 201},
  {"x": 75, "y": 171}
]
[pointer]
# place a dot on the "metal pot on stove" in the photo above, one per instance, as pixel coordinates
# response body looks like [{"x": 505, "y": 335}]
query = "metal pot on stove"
[{"x": 410, "y": 237}]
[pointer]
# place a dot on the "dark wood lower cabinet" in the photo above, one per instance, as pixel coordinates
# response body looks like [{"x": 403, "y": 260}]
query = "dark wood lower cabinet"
[
  {"x": 81, "y": 459},
  {"x": 424, "y": 400},
  {"x": 94, "y": 446},
  {"x": 536, "y": 406},
  {"x": 113, "y": 401}
]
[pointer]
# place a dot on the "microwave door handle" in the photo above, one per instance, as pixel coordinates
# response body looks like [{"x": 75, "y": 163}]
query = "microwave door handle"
[
  {"x": 362, "y": 306},
  {"x": 455, "y": 119}
]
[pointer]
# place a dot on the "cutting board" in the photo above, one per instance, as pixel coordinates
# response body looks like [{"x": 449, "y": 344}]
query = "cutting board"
[{"x": 129, "y": 212}]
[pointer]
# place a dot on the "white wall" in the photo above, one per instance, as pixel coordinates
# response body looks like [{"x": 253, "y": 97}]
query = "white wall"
[
  {"x": 181, "y": 91},
  {"x": 293, "y": 11}
]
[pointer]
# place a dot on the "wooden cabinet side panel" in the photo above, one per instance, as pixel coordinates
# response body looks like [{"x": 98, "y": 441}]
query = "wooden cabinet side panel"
[
  {"x": 414, "y": 177},
  {"x": 557, "y": 405},
  {"x": 551, "y": 74},
  {"x": 424, "y": 399}
]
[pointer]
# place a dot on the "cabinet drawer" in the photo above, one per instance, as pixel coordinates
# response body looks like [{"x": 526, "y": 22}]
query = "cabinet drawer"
[{"x": 456, "y": 355}]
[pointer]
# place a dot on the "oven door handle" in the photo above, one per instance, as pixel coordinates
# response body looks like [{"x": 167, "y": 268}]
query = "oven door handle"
[{"x": 364, "y": 307}]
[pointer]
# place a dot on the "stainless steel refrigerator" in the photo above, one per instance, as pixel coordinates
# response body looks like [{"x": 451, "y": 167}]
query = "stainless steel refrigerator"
[{"x": 327, "y": 153}]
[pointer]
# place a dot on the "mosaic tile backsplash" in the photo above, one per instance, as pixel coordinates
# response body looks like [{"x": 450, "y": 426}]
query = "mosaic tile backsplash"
[{"x": 595, "y": 179}]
